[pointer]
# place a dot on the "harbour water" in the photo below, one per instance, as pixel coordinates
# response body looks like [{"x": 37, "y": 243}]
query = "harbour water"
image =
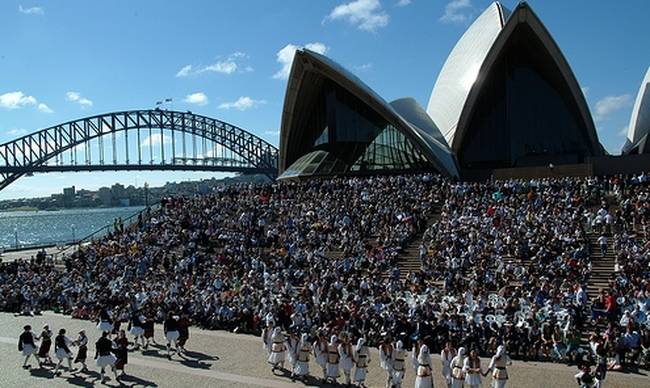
[{"x": 45, "y": 227}]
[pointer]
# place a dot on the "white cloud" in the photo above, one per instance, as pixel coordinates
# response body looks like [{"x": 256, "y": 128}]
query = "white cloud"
[
  {"x": 155, "y": 140},
  {"x": 366, "y": 15},
  {"x": 31, "y": 10},
  {"x": 457, "y": 11},
  {"x": 76, "y": 97},
  {"x": 198, "y": 98},
  {"x": 363, "y": 67},
  {"x": 403, "y": 3},
  {"x": 229, "y": 65},
  {"x": 286, "y": 54},
  {"x": 15, "y": 100},
  {"x": 242, "y": 103},
  {"x": 272, "y": 132},
  {"x": 184, "y": 71},
  {"x": 17, "y": 131},
  {"x": 610, "y": 104},
  {"x": 44, "y": 108},
  {"x": 73, "y": 96},
  {"x": 623, "y": 131}
]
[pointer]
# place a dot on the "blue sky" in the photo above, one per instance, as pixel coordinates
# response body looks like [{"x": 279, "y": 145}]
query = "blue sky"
[{"x": 62, "y": 60}]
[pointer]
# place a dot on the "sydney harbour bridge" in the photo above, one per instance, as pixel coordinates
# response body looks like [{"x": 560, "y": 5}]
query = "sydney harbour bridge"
[{"x": 138, "y": 140}]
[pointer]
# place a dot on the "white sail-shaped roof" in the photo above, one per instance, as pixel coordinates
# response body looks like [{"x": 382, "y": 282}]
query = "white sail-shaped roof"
[
  {"x": 462, "y": 67},
  {"x": 640, "y": 120},
  {"x": 421, "y": 133}
]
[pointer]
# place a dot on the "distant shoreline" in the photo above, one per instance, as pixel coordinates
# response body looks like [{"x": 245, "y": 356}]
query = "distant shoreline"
[{"x": 21, "y": 209}]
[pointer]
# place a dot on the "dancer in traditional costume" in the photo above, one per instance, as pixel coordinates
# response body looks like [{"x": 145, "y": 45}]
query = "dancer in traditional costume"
[
  {"x": 398, "y": 365},
  {"x": 121, "y": 351},
  {"x": 62, "y": 351},
  {"x": 82, "y": 351},
  {"x": 278, "y": 350},
  {"x": 498, "y": 365},
  {"x": 136, "y": 328},
  {"x": 333, "y": 359},
  {"x": 346, "y": 357},
  {"x": 320, "y": 352},
  {"x": 472, "y": 369},
  {"x": 293, "y": 345},
  {"x": 184, "y": 331},
  {"x": 361, "y": 359},
  {"x": 27, "y": 346},
  {"x": 446, "y": 355},
  {"x": 424, "y": 377},
  {"x": 149, "y": 328},
  {"x": 267, "y": 333},
  {"x": 457, "y": 373},
  {"x": 105, "y": 320},
  {"x": 104, "y": 355},
  {"x": 171, "y": 333},
  {"x": 302, "y": 364},
  {"x": 46, "y": 344},
  {"x": 386, "y": 358}
]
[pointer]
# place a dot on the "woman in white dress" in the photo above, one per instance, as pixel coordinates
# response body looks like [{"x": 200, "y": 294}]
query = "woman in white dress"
[
  {"x": 292, "y": 346},
  {"x": 472, "y": 369},
  {"x": 446, "y": 355},
  {"x": 424, "y": 377},
  {"x": 278, "y": 350},
  {"x": 457, "y": 374},
  {"x": 386, "y": 358},
  {"x": 333, "y": 357},
  {"x": 346, "y": 357},
  {"x": 302, "y": 364},
  {"x": 498, "y": 365},
  {"x": 361, "y": 360},
  {"x": 267, "y": 332},
  {"x": 398, "y": 364},
  {"x": 320, "y": 352}
]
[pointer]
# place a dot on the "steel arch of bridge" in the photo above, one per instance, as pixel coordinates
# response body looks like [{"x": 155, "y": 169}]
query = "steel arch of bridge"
[{"x": 30, "y": 153}]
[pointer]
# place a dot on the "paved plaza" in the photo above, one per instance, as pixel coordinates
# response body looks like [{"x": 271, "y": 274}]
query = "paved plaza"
[{"x": 222, "y": 359}]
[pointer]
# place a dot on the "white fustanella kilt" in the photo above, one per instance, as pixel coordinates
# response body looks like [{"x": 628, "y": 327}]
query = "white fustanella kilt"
[
  {"x": 104, "y": 361},
  {"x": 62, "y": 354},
  {"x": 136, "y": 331},
  {"x": 498, "y": 383},
  {"x": 28, "y": 350},
  {"x": 424, "y": 382},
  {"x": 360, "y": 374},
  {"x": 276, "y": 357},
  {"x": 346, "y": 363},
  {"x": 472, "y": 379},
  {"x": 302, "y": 368},
  {"x": 332, "y": 370},
  {"x": 105, "y": 326},
  {"x": 321, "y": 360},
  {"x": 172, "y": 336},
  {"x": 291, "y": 358}
]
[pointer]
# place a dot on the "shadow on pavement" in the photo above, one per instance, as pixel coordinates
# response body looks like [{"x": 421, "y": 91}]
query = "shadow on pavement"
[
  {"x": 130, "y": 380},
  {"x": 200, "y": 356}
]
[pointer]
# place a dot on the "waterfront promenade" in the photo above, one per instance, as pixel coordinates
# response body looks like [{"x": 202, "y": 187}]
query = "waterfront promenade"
[{"x": 222, "y": 359}]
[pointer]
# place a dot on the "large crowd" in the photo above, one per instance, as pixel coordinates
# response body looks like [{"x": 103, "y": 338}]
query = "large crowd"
[{"x": 502, "y": 263}]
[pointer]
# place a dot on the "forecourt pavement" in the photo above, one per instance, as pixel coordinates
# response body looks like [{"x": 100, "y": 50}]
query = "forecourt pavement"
[{"x": 223, "y": 359}]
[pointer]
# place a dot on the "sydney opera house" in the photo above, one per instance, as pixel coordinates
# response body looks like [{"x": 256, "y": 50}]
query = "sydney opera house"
[
  {"x": 506, "y": 98},
  {"x": 637, "y": 135}
]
